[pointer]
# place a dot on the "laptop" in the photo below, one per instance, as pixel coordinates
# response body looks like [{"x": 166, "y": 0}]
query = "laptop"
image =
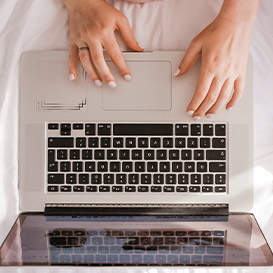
[{"x": 124, "y": 177}]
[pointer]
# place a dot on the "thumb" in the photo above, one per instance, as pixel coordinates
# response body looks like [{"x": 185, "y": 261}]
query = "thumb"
[
  {"x": 127, "y": 33},
  {"x": 190, "y": 57}
]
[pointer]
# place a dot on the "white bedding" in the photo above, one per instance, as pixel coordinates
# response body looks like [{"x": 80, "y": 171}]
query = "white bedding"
[{"x": 160, "y": 25}]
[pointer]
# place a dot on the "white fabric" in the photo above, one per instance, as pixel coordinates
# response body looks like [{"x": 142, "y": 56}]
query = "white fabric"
[{"x": 160, "y": 25}]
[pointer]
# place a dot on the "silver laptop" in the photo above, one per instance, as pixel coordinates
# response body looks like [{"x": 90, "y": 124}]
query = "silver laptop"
[{"x": 124, "y": 176}]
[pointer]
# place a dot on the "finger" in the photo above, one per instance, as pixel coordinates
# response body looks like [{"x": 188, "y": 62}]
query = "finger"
[
  {"x": 73, "y": 61},
  {"x": 201, "y": 91},
  {"x": 112, "y": 48},
  {"x": 222, "y": 98},
  {"x": 190, "y": 57},
  {"x": 210, "y": 98},
  {"x": 96, "y": 52},
  {"x": 239, "y": 86},
  {"x": 89, "y": 67},
  {"x": 127, "y": 34}
]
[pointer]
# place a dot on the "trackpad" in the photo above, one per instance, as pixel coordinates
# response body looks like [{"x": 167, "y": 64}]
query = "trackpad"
[{"x": 150, "y": 88}]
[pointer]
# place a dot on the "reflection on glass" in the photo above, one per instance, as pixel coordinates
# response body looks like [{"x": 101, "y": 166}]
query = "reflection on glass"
[{"x": 136, "y": 241}]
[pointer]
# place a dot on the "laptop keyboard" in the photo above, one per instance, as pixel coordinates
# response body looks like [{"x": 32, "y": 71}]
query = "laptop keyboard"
[
  {"x": 137, "y": 247},
  {"x": 144, "y": 158}
]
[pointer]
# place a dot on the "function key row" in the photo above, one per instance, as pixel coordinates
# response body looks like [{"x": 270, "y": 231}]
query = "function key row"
[
  {"x": 145, "y": 129},
  {"x": 130, "y": 142}
]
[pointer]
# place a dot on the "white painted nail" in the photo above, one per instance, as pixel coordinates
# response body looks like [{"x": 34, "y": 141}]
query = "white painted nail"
[
  {"x": 196, "y": 118},
  {"x": 190, "y": 112},
  {"x": 140, "y": 46},
  {"x": 229, "y": 109},
  {"x": 98, "y": 83},
  {"x": 127, "y": 77},
  {"x": 112, "y": 84},
  {"x": 209, "y": 115},
  {"x": 71, "y": 77},
  {"x": 177, "y": 71}
]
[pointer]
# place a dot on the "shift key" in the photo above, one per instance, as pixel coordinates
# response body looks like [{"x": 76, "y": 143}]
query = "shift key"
[
  {"x": 55, "y": 178},
  {"x": 60, "y": 142}
]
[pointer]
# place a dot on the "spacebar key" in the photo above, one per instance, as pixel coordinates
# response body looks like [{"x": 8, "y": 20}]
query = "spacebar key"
[
  {"x": 60, "y": 142},
  {"x": 143, "y": 129}
]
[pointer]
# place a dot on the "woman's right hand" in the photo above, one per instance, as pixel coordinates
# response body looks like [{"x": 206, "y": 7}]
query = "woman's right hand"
[{"x": 92, "y": 24}]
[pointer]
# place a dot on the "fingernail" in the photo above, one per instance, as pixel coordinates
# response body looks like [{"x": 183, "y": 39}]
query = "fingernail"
[
  {"x": 209, "y": 115},
  {"x": 127, "y": 77},
  {"x": 98, "y": 83},
  {"x": 196, "y": 118},
  {"x": 177, "y": 71},
  {"x": 140, "y": 46},
  {"x": 71, "y": 77},
  {"x": 190, "y": 112},
  {"x": 112, "y": 84},
  {"x": 229, "y": 109}
]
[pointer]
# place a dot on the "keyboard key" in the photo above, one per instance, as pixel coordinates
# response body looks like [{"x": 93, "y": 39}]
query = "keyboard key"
[
  {"x": 161, "y": 154},
  {"x": 195, "y": 129},
  {"x": 78, "y": 126},
  {"x": 146, "y": 179},
  {"x": 130, "y": 189},
  {"x": 213, "y": 259},
  {"x": 183, "y": 179},
  {"x": 90, "y": 129},
  {"x": 192, "y": 142},
  {"x": 220, "y": 189},
  {"x": 112, "y": 154},
  {"x": 152, "y": 167},
  {"x": 164, "y": 166},
  {"x": 65, "y": 188},
  {"x": 180, "y": 142},
  {"x": 130, "y": 142},
  {"x": 65, "y": 129},
  {"x": 102, "y": 166},
  {"x": 99, "y": 154},
  {"x": 170, "y": 179},
  {"x": 86, "y": 154},
  {"x": 189, "y": 166},
  {"x": 143, "y": 142},
  {"x": 62, "y": 154},
  {"x": 121, "y": 179},
  {"x": 156, "y": 188},
  {"x": 95, "y": 179},
  {"x": 204, "y": 142},
  {"x": 65, "y": 166},
  {"x": 53, "y": 188},
  {"x": 207, "y": 189},
  {"x": 168, "y": 188},
  {"x": 137, "y": 154},
  {"x": 181, "y": 188},
  {"x": 60, "y": 142},
  {"x": 207, "y": 129},
  {"x": 177, "y": 166},
  {"x": 155, "y": 143},
  {"x": 53, "y": 126},
  {"x": 104, "y": 129},
  {"x": 117, "y": 189},
  {"x": 114, "y": 166},
  {"x": 218, "y": 142},
  {"x": 174, "y": 154},
  {"x": 90, "y": 166},
  {"x": 53, "y": 167},
  {"x": 140, "y": 166},
  {"x": 78, "y": 188},
  {"x": 124, "y": 154},
  {"x": 216, "y": 155},
  {"x": 74, "y": 154},
  {"x": 108, "y": 179},
  {"x": 217, "y": 167},
  {"x": 195, "y": 179},
  {"x": 105, "y": 142},
  {"x": 77, "y": 166},
  {"x": 167, "y": 142},
  {"x": 220, "y": 129},
  {"x": 127, "y": 166},
  {"x": 198, "y": 155},
  {"x": 158, "y": 179},
  {"x": 71, "y": 179},
  {"x": 81, "y": 142},
  {"x": 149, "y": 154},
  {"x": 51, "y": 156},
  {"x": 142, "y": 188},
  {"x": 104, "y": 188},
  {"x": 219, "y": 240},
  {"x": 202, "y": 167},
  {"x": 181, "y": 129},
  {"x": 215, "y": 250},
  {"x": 220, "y": 179},
  {"x": 207, "y": 178},
  {"x": 186, "y": 154},
  {"x": 218, "y": 233},
  {"x": 196, "y": 259},
  {"x": 194, "y": 189},
  {"x": 55, "y": 178},
  {"x": 93, "y": 142},
  {"x": 83, "y": 179},
  {"x": 118, "y": 142}
]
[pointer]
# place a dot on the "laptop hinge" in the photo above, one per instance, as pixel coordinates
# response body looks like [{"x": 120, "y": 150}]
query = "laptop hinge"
[{"x": 136, "y": 209}]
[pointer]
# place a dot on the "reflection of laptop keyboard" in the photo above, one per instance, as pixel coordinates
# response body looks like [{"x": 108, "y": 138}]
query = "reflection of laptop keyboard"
[
  {"x": 181, "y": 158},
  {"x": 163, "y": 247}
]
